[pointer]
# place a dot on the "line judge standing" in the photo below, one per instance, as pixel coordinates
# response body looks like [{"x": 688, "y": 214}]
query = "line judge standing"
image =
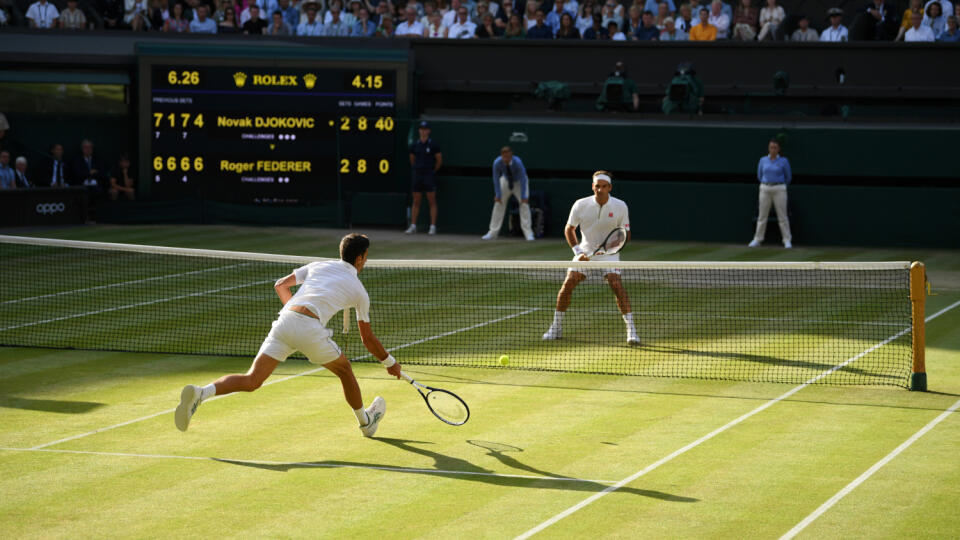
[
  {"x": 774, "y": 175},
  {"x": 425, "y": 160},
  {"x": 509, "y": 180}
]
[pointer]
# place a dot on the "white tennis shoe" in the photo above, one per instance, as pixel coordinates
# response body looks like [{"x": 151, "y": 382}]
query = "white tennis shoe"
[
  {"x": 375, "y": 413},
  {"x": 489, "y": 236},
  {"x": 754, "y": 243},
  {"x": 530, "y": 238},
  {"x": 433, "y": 230},
  {"x": 555, "y": 332},
  {"x": 189, "y": 401},
  {"x": 411, "y": 229},
  {"x": 632, "y": 337},
  {"x": 788, "y": 244}
]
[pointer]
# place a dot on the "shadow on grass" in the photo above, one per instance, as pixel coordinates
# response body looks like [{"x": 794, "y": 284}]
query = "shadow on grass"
[
  {"x": 49, "y": 405},
  {"x": 461, "y": 469}
]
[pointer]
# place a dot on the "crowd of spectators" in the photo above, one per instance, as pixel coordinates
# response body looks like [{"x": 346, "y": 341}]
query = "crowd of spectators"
[
  {"x": 626, "y": 20},
  {"x": 86, "y": 169}
]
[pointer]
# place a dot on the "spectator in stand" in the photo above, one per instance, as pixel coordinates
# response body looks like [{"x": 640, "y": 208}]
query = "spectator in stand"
[
  {"x": 745, "y": 21},
  {"x": 385, "y": 28},
  {"x": 502, "y": 18},
  {"x": 310, "y": 27},
  {"x": 350, "y": 15},
  {"x": 774, "y": 175},
  {"x": 202, "y": 24},
  {"x": 719, "y": 19},
  {"x": 596, "y": 31},
  {"x": 771, "y": 17},
  {"x": 916, "y": 6},
  {"x": 73, "y": 18},
  {"x": 633, "y": 21},
  {"x": 585, "y": 16},
  {"x": 553, "y": 18},
  {"x": 463, "y": 27},
  {"x": 515, "y": 28},
  {"x": 336, "y": 27},
  {"x": 364, "y": 27},
  {"x": 653, "y": 6},
  {"x": 177, "y": 23},
  {"x": 435, "y": 27},
  {"x": 42, "y": 14},
  {"x": 836, "y": 31},
  {"x": 483, "y": 8},
  {"x": 429, "y": 8},
  {"x": 804, "y": 32},
  {"x": 20, "y": 173},
  {"x": 611, "y": 11},
  {"x": 946, "y": 6},
  {"x": 157, "y": 14},
  {"x": 663, "y": 11},
  {"x": 86, "y": 168},
  {"x": 879, "y": 17},
  {"x": 917, "y": 31},
  {"x": 684, "y": 20},
  {"x": 277, "y": 25},
  {"x": 567, "y": 29},
  {"x": 614, "y": 32},
  {"x": 4, "y": 18},
  {"x": 229, "y": 23},
  {"x": 7, "y": 175},
  {"x": 934, "y": 18},
  {"x": 704, "y": 31},
  {"x": 450, "y": 16},
  {"x": 670, "y": 31},
  {"x": 488, "y": 29},
  {"x": 135, "y": 15},
  {"x": 648, "y": 31},
  {"x": 54, "y": 174},
  {"x": 113, "y": 13},
  {"x": 530, "y": 15},
  {"x": 291, "y": 15},
  {"x": 121, "y": 179},
  {"x": 255, "y": 25},
  {"x": 411, "y": 26},
  {"x": 951, "y": 34}
]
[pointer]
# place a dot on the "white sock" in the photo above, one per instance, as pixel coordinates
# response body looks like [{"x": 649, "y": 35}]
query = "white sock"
[
  {"x": 628, "y": 318},
  {"x": 558, "y": 318},
  {"x": 208, "y": 391},
  {"x": 361, "y": 417}
]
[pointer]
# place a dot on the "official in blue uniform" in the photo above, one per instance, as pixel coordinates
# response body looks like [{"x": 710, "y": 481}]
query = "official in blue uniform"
[{"x": 425, "y": 161}]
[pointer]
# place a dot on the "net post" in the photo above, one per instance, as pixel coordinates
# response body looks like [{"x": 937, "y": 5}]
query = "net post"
[{"x": 918, "y": 279}]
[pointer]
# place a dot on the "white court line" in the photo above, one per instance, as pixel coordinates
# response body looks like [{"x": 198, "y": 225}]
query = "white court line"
[
  {"x": 867, "y": 474},
  {"x": 122, "y": 283},
  {"x": 274, "y": 381},
  {"x": 318, "y": 465},
  {"x": 138, "y": 304},
  {"x": 718, "y": 431}
]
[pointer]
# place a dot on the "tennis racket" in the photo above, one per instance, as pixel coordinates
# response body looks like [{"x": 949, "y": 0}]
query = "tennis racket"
[
  {"x": 444, "y": 404},
  {"x": 613, "y": 243}
]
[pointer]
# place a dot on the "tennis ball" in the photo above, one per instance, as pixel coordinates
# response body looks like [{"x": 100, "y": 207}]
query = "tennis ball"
[{"x": 504, "y": 359}]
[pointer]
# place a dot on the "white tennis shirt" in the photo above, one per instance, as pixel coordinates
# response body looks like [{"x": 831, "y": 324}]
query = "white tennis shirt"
[
  {"x": 329, "y": 287},
  {"x": 596, "y": 221}
]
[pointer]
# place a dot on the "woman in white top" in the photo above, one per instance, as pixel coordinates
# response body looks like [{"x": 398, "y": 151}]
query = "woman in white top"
[
  {"x": 770, "y": 18},
  {"x": 585, "y": 17},
  {"x": 530, "y": 15},
  {"x": 612, "y": 11},
  {"x": 435, "y": 27},
  {"x": 135, "y": 14},
  {"x": 934, "y": 18}
]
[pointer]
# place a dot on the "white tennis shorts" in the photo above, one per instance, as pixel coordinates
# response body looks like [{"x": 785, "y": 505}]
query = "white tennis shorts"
[
  {"x": 294, "y": 331},
  {"x": 600, "y": 271}
]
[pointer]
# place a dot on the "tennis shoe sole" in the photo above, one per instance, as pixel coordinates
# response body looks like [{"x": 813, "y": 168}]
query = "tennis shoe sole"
[{"x": 189, "y": 401}]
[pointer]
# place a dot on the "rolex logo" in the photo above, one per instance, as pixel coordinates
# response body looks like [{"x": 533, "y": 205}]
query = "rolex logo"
[
  {"x": 309, "y": 80},
  {"x": 240, "y": 79}
]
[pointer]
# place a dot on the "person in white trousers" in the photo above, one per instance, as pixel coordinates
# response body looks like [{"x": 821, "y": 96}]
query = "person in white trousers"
[
  {"x": 774, "y": 174},
  {"x": 509, "y": 180}
]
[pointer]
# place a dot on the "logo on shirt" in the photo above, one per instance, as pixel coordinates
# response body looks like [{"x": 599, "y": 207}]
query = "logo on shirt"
[{"x": 611, "y": 214}]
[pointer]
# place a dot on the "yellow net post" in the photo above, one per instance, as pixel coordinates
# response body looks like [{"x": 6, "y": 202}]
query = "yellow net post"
[{"x": 918, "y": 278}]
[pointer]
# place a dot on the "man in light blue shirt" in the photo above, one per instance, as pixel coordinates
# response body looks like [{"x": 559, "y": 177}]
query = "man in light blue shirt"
[
  {"x": 773, "y": 172},
  {"x": 291, "y": 15},
  {"x": 311, "y": 27},
  {"x": 336, "y": 26},
  {"x": 553, "y": 18},
  {"x": 201, "y": 24},
  {"x": 364, "y": 27},
  {"x": 7, "y": 176},
  {"x": 509, "y": 180}
]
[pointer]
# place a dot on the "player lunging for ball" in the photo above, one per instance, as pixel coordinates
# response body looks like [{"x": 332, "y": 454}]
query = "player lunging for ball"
[
  {"x": 596, "y": 216},
  {"x": 325, "y": 289}
]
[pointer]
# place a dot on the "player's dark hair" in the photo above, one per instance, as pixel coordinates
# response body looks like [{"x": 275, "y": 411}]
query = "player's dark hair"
[{"x": 352, "y": 246}]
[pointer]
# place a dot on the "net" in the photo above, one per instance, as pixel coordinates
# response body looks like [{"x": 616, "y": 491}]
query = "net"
[{"x": 772, "y": 322}]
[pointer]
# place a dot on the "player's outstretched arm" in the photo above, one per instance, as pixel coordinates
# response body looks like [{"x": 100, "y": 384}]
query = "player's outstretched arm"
[
  {"x": 570, "y": 232},
  {"x": 282, "y": 286},
  {"x": 373, "y": 345}
]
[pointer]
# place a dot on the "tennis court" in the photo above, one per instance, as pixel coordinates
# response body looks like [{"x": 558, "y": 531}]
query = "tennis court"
[{"x": 89, "y": 447}]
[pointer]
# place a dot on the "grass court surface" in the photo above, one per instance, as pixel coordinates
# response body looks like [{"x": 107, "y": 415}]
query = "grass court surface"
[{"x": 89, "y": 447}]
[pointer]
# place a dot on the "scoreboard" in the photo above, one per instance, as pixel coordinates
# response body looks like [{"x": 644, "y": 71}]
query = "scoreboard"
[{"x": 268, "y": 133}]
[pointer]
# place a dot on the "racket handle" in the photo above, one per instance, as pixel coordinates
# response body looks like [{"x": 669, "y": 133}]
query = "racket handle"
[{"x": 405, "y": 376}]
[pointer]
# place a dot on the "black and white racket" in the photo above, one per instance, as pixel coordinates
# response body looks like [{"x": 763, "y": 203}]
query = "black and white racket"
[
  {"x": 613, "y": 243},
  {"x": 444, "y": 404}
]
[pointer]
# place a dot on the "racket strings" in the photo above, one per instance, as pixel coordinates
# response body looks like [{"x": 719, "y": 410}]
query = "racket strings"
[{"x": 448, "y": 407}]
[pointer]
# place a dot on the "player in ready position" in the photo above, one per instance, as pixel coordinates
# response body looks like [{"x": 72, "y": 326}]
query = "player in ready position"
[
  {"x": 325, "y": 289},
  {"x": 596, "y": 216}
]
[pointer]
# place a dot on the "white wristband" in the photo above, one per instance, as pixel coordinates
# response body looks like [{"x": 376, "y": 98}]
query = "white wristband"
[
  {"x": 577, "y": 250},
  {"x": 389, "y": 361}
]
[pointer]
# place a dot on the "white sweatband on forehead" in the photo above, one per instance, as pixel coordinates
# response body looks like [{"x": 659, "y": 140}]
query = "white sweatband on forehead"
[{"x": 602, "y": 176}]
